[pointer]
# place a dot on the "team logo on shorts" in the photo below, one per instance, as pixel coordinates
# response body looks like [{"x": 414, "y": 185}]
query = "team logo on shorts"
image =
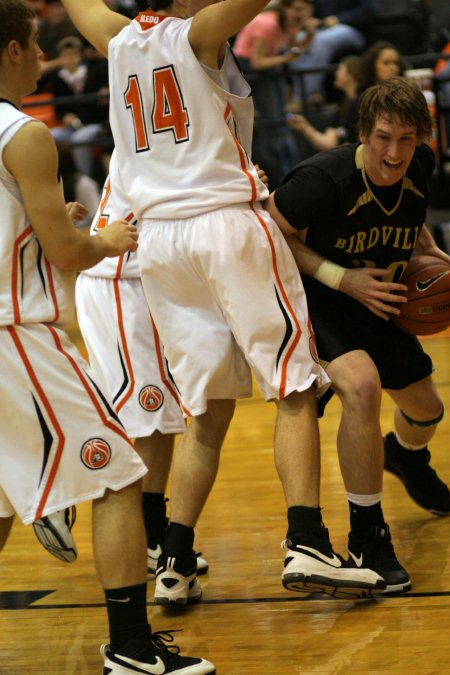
[
  {"x": 95, "y": 453},
  {"x": 151, "y": 398},
  {"x": 313, "y": 350}
]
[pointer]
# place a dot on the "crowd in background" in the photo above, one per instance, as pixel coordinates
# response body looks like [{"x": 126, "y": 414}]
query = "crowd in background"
[{"x": 307, "y": 61}]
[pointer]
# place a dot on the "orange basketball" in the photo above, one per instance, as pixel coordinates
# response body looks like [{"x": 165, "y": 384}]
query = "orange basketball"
[{"x": 428, "y": 308}]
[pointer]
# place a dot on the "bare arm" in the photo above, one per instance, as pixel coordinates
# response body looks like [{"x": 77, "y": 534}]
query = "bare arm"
[
  {"x": 36, "y": 173},
  {"x": 95, "y": 21},
  {"x": 213, "y": 25},
  {"x": 321, "y": 140},
  {"x": 359, "y": 283},
  {"x": 261, "y": 60}
]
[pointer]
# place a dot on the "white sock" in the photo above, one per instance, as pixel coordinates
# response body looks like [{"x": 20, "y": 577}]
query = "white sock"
[
  {"x": 408, "y": 446},
  {"x": 364, "y": 500}
]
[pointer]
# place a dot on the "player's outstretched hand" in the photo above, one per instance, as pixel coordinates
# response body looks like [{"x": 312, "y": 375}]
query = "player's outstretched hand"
[
  {"x": 76, "y": 211},
  {"x": 362, "y": 285},
  {"x": 119, "y": 237}
]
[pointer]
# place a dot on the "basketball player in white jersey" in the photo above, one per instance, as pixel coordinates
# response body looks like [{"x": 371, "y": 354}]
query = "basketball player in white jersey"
[
  {"x": 61, "y": 440},
  {"x": 220, "y": 280},
  {"x": 127, "y": 358}
]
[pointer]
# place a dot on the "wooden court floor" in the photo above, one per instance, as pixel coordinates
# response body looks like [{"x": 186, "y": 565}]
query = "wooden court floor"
[{"x": 52, "y": 617}]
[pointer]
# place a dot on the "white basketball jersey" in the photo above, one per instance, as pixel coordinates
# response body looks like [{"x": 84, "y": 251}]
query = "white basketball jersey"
[
  {"x": 31, "y": 289},
  {"x": 182, "y": 140},
  {"x": 114, "y": 205}
]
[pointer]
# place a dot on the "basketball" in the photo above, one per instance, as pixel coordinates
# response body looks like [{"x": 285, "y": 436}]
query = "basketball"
[{"x": 428, "y": 308}]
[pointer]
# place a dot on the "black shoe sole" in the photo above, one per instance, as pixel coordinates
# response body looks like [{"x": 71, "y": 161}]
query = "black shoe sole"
[
  {"x": 317, "y": 584},
  {"x": 181, "y": 602}
]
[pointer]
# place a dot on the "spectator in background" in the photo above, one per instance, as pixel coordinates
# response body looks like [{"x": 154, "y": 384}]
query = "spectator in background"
[
  {"x": 380, "y": 61},
  {"x": 263, "y": 48},
  {"x": 81, "y": 122},
  {"x": 347, "y": 80},
  {"x": 342, "y": 27},
  {"x": 55, "y": 26}
]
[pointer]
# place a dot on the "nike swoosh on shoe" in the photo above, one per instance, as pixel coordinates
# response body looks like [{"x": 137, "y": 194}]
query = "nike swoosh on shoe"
[
  {"x": 334, "y": 561},
  {"x": 157, "y": 668},
  {"x": 357, "y": 560}
]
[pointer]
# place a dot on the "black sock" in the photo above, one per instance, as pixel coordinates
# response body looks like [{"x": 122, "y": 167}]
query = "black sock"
[
  {"x": 179, "y": 540},
  {"x": 127, "y": 616},
  {"x": 303, "y": 519},
  {"x": 364, "y": 517},
  {"x": 155, "y": 519}
]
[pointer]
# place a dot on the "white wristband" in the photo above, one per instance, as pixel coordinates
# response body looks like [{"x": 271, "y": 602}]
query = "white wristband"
[{"x": 330, "y": 274}]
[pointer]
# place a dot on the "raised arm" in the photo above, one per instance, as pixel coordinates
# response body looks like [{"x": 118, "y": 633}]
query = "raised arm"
[
  {"x": 95, "y": 21},
  {"x": 215, "y": 24},
  {"x": 36, "y": 173}
]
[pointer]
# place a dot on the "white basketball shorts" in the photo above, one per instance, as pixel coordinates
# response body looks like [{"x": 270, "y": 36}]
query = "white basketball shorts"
[
  {"x": 226, "y": 296},
  {"x": 61, "y": 440},
  {"x": 126, "y": 355}
]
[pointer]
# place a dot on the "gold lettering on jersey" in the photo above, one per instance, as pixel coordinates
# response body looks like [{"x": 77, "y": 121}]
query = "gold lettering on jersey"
[
  {"x": 396, "y": 237},
  {"x": 374, "y": 235}
]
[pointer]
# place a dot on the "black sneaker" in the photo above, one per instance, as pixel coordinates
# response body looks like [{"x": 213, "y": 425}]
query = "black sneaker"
[
  {"x": 421, "y": 481},
  {"x": 376, "y": 552},
  {"x": 311, "y": 566},
  {"x": 157, "y": 658}
]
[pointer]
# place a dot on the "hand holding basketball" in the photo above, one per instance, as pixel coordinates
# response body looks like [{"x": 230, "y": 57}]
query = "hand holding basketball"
[{"x": 427, "y": 310}]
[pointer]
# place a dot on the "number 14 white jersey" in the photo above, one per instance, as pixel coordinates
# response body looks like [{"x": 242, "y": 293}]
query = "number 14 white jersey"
[{"x": 182, "y": 141}]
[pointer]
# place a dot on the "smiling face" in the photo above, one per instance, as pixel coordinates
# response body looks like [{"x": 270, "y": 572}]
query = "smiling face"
[{"x": 388, "y": 150}]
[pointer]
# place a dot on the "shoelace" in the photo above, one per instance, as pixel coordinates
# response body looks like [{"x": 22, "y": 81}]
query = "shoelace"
[{"x": 162, "y": 637}]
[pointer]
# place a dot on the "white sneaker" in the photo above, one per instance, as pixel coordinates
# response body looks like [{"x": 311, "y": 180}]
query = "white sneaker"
[
  {"x": 154, "y": 553},
  {"x": 318, "y": 569},
  {"x": 54, "y": 533},
  {"x": 158, "y": 658},
  {"x": 176, "y": 588}
]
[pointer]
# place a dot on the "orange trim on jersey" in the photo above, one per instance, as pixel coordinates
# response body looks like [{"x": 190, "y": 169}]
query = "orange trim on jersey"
[
  {"x": 287, "y": 305},
  {"x": 123, "y": 339},
  {"x": 15, "y": 271},
  {"x": 61, "y": 438},
  {"x": 162, "y": 370},
  {"x": 242, "y": 159},
  {"x": 89, "y": 390}
]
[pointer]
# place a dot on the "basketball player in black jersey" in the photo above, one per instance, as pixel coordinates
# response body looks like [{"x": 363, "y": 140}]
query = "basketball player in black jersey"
[{"x": 358, "y": 213}]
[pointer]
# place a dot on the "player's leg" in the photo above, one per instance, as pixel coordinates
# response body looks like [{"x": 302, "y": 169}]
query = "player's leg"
[
  {"x": 5, "y": 529},
  {"x": 156, "y": 452},
  {"x": 194, "y": 470},
  {"x": 356, "y": 381},
  {"x": 119, "y": 537},
  {"x": 310, "y": 563},
  {"x": 418, "y": 412}
]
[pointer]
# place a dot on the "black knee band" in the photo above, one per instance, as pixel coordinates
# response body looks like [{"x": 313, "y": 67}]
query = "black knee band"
[{"x": 428, "y": 423}]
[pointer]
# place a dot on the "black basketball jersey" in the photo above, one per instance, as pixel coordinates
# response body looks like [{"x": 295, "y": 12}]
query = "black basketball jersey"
[{"x": 350, "y": 221}]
